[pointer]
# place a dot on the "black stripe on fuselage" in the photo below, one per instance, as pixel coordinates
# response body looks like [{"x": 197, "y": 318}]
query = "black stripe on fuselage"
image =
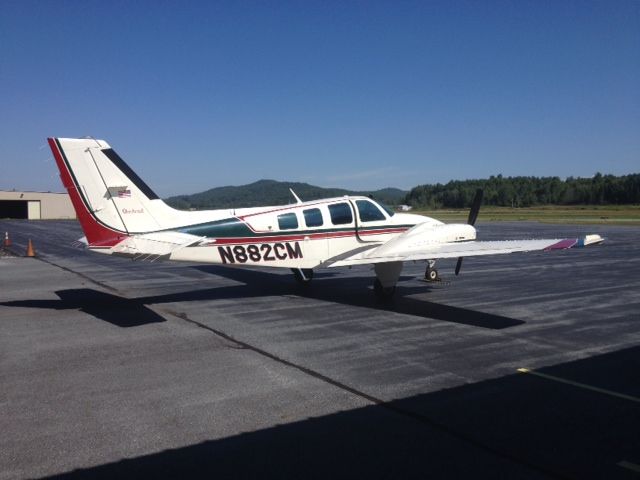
[{"x": 124, "y": 168}]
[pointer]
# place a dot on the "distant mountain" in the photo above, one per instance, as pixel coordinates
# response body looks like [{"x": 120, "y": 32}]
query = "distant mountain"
[{"x": 272, "y": 192}]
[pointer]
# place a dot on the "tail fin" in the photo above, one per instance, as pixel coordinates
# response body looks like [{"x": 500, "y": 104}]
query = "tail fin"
[{"x": 111, "y": 201}]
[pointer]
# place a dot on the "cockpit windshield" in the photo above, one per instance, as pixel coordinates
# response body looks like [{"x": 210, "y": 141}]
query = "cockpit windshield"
[{"x": 386, "y": 208}]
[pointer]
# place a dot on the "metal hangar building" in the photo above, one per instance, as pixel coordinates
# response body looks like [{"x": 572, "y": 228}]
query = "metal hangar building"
[{"x": 35, "y": 205}]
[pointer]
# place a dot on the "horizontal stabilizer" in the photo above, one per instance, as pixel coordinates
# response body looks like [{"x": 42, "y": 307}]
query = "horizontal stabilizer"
[{"x": 152, "y": 246}]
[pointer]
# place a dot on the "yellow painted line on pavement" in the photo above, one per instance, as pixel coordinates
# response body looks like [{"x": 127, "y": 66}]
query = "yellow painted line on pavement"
[
  {"x": 580, "y": 385},
  {"x": 630, "y": 466}
]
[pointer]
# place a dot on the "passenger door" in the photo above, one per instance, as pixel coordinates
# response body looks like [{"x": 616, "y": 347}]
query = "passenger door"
[{"x": 371, "y": 222}]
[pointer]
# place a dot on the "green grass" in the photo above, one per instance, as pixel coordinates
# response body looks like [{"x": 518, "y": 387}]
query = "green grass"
[{"x": 605, "y": 215}]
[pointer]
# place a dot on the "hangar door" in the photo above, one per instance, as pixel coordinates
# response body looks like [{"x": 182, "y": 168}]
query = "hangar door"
[
  {"x": 14, "y": 209},
  {"x": 34, "y": 210},
  {"x": 20, "y": 209}
]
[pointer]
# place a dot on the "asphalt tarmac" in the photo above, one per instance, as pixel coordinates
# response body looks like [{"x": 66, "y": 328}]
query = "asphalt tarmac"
[{"x": 111, "y": 368}]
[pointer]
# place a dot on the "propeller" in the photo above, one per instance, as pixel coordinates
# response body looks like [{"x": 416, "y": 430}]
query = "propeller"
[{"x": 473, "y": 216}]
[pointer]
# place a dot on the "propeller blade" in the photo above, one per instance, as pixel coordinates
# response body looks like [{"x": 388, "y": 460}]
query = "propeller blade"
[
  {"x": 473, "y": 216},
  {"x": 458, "y": 265},
  {"x": 475, "y": 207}
]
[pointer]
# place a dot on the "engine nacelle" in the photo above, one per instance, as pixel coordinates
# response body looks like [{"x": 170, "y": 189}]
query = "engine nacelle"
[
  {"x": 425, "y": 234},
  {"x": 452, "y": 232}
]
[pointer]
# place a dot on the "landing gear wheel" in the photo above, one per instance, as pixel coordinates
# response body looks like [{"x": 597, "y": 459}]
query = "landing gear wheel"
[
  {"x": 384, "y": 293},
  {"x": 303, "y": 275},
  {"x": 432, "y": 275}
]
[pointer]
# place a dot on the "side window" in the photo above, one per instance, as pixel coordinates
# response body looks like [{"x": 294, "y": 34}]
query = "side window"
[
  {"x": 369, "y": 212},
  {"x": 340, "y": 213},
  {"x": 313, "y": 217},
  {"x": 287, "y": 221}
]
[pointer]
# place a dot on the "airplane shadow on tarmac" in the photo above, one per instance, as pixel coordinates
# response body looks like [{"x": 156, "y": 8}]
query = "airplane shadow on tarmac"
[
  {"x": 355, "y": 291},
  {"x": 132, "y": 312},
  {"x": 117, "y": 310},
  {"x": 517, "y": 426}
]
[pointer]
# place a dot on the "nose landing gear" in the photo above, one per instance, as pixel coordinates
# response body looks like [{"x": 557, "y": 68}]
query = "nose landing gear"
[{"x": 431, "y": 274}]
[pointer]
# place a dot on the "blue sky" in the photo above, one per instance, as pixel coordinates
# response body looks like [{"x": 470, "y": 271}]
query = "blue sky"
[{"x": 359, "y": 95}]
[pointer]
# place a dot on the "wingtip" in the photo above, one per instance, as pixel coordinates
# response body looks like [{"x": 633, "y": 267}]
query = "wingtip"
[
  {"x": 579, "y": 242},
  {"x": 592, "y": 239}
]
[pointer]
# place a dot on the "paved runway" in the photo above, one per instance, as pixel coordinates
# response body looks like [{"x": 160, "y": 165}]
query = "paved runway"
[{"x": 113, "y": 368}]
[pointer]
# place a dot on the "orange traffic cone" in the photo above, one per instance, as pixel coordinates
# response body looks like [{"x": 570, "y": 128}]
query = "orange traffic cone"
[
  {"x": 31, "y": 252},
  {"x": 7, "y": 240}
]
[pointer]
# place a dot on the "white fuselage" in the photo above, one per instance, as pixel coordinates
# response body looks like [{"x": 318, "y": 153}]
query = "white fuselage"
[
  {"x": 121, "y": 215},
  {"x": 304, "y": 235}
]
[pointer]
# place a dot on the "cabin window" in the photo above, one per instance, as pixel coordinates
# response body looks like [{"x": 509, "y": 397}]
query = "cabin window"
[
  {"x": 340, "y": 214},
  {"x": 287, "y": 221},
  {"x": 313, "y": 217},
  {"x": 369, "y": 212}
]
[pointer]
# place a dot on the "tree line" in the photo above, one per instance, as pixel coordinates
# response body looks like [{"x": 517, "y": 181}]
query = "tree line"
[{"x": 529, "y": 191}]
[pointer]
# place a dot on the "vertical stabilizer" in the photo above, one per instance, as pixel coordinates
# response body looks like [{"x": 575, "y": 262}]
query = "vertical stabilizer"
[{"x": 111, "y": 201}]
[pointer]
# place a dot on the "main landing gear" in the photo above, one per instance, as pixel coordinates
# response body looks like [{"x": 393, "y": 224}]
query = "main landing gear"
[
  {"x": 387, "y": 275},
  {"x": 303, "y": 276},
  {"x": 383, "y": 293}
]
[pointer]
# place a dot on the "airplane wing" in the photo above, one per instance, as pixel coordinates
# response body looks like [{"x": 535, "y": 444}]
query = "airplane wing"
[{"x": 402, "y": 249}]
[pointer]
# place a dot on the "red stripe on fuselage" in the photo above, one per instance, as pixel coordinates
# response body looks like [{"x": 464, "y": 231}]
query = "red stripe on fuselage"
[
  {"x": 299, "y": 237},
  {"x": 95, "y": 232}
]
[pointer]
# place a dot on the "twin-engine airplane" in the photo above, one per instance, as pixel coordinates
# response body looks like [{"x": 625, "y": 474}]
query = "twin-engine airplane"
[{"x": 121, "y": 215}]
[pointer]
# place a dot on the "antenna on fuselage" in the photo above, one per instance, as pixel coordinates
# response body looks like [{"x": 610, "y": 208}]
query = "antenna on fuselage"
[{"x": 295, "y": 196}]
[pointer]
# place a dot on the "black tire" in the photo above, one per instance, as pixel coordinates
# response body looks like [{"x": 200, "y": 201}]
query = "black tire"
[
  {"x": 303, "y": 280},
  {"x": 383, "y": 293},
  {"x": 432, "y": 275}
]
